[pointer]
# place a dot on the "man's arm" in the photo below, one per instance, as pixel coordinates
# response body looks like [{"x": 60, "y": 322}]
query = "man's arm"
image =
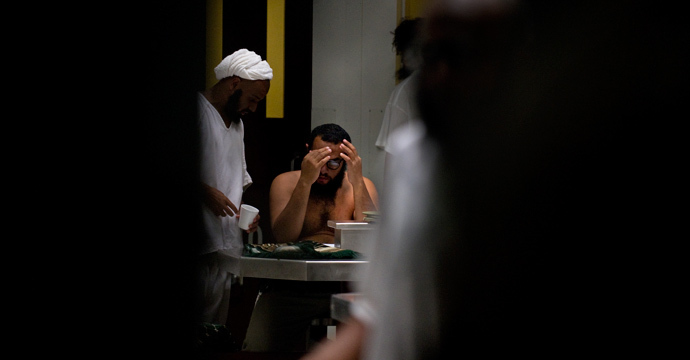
[
  {"x": 365, "y": 194},
  {"x": 289, "y": 196},
  {"x": 288, "y": 204},
  {"x": 368, "y": 199}
]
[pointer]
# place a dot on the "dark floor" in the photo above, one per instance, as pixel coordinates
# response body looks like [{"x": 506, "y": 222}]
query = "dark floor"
[{"x": 242, "y": 298}]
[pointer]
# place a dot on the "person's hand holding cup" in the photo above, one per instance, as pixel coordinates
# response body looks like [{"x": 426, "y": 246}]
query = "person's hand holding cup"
[{"x": 249, "y": 218}]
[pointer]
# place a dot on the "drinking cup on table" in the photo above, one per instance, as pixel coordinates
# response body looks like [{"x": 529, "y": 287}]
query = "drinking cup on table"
[{"x": 247, "y": 215}]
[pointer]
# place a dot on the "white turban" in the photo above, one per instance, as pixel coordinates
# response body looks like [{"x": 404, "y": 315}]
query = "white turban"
[{"x": 245, "y": 64}]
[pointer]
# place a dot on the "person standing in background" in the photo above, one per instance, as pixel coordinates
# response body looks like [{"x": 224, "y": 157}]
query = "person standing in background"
[
  {"x": 243, "y": 81},
  {"x": 401, "y": 109}
]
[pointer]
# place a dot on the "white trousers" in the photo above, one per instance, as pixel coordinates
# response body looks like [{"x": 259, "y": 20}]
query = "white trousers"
[{"x": 215, "y": 283}]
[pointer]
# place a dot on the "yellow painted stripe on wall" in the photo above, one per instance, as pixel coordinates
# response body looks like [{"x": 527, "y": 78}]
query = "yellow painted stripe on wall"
[
  {"x": 214, "y": 38},
  {"x": 410, "y": 9},
  {"x": 275, "y": 55},
  {"x": 415, "y": 8}
]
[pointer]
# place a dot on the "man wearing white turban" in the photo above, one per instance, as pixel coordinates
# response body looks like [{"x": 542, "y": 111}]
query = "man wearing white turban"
[{"x": 243, "y": 81}]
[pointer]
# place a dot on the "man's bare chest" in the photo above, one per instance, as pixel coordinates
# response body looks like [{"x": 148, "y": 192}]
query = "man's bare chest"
[{"x": 319, "y": 211}]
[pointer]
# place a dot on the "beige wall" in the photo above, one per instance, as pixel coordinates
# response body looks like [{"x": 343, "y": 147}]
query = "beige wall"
[{"x": 353, "y": 69}]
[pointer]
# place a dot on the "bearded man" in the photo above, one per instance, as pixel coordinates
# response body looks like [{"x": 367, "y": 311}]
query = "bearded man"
[
  {"x": 243, "y": 81},
  {"x": 329, "y": 186}
]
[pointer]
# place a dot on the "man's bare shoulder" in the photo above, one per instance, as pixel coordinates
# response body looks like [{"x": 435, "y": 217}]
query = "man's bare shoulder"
[
  {"x": 368, "y": 181},
  {"x": 287, "y": 178}
]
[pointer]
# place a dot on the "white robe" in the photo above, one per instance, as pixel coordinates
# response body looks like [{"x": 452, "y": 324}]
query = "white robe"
[
  {"x": 223, "y": 167},
  {"x": 401, "y": 111}
]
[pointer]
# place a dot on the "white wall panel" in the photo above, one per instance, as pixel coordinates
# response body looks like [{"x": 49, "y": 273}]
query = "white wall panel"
[{"x": 353, "y": 71}]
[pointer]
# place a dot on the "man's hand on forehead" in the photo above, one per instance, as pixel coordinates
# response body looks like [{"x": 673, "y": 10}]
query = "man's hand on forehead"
[
  {"x": 324, "y": 150},
  {"x": 354, "y": 161},
  {"x": 313, "y": 162}
]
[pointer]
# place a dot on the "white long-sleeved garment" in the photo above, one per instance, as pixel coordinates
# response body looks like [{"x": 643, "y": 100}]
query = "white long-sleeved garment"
[{"x": 223, "y": 166}]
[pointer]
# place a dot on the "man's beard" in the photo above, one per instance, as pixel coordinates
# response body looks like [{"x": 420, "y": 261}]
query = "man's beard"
[
  {"x": 328, "y": 191},
  {"x": 232, "y": 107}
]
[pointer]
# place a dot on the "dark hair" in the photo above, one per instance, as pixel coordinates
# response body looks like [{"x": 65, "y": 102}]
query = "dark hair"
[
  {"x": 404, "y": 39},
  {"x": 331, "y": 133},
  {"x": 405, "y": 33}
]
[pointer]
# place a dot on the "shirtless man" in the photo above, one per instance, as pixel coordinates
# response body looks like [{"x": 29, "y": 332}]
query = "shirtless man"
[{"x": 330, "y": 186}]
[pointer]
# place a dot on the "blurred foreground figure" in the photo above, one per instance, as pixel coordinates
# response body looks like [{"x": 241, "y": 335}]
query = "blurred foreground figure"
[{"x": 515, "y": 227}]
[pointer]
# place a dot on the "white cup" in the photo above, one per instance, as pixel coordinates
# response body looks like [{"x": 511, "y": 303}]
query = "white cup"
[{"x": 247, "y": 215}]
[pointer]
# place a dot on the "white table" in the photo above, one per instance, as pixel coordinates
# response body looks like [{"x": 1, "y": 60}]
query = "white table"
[
  {"x": 288, "y": 269},
  {"x": 304, "y": 270}
]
